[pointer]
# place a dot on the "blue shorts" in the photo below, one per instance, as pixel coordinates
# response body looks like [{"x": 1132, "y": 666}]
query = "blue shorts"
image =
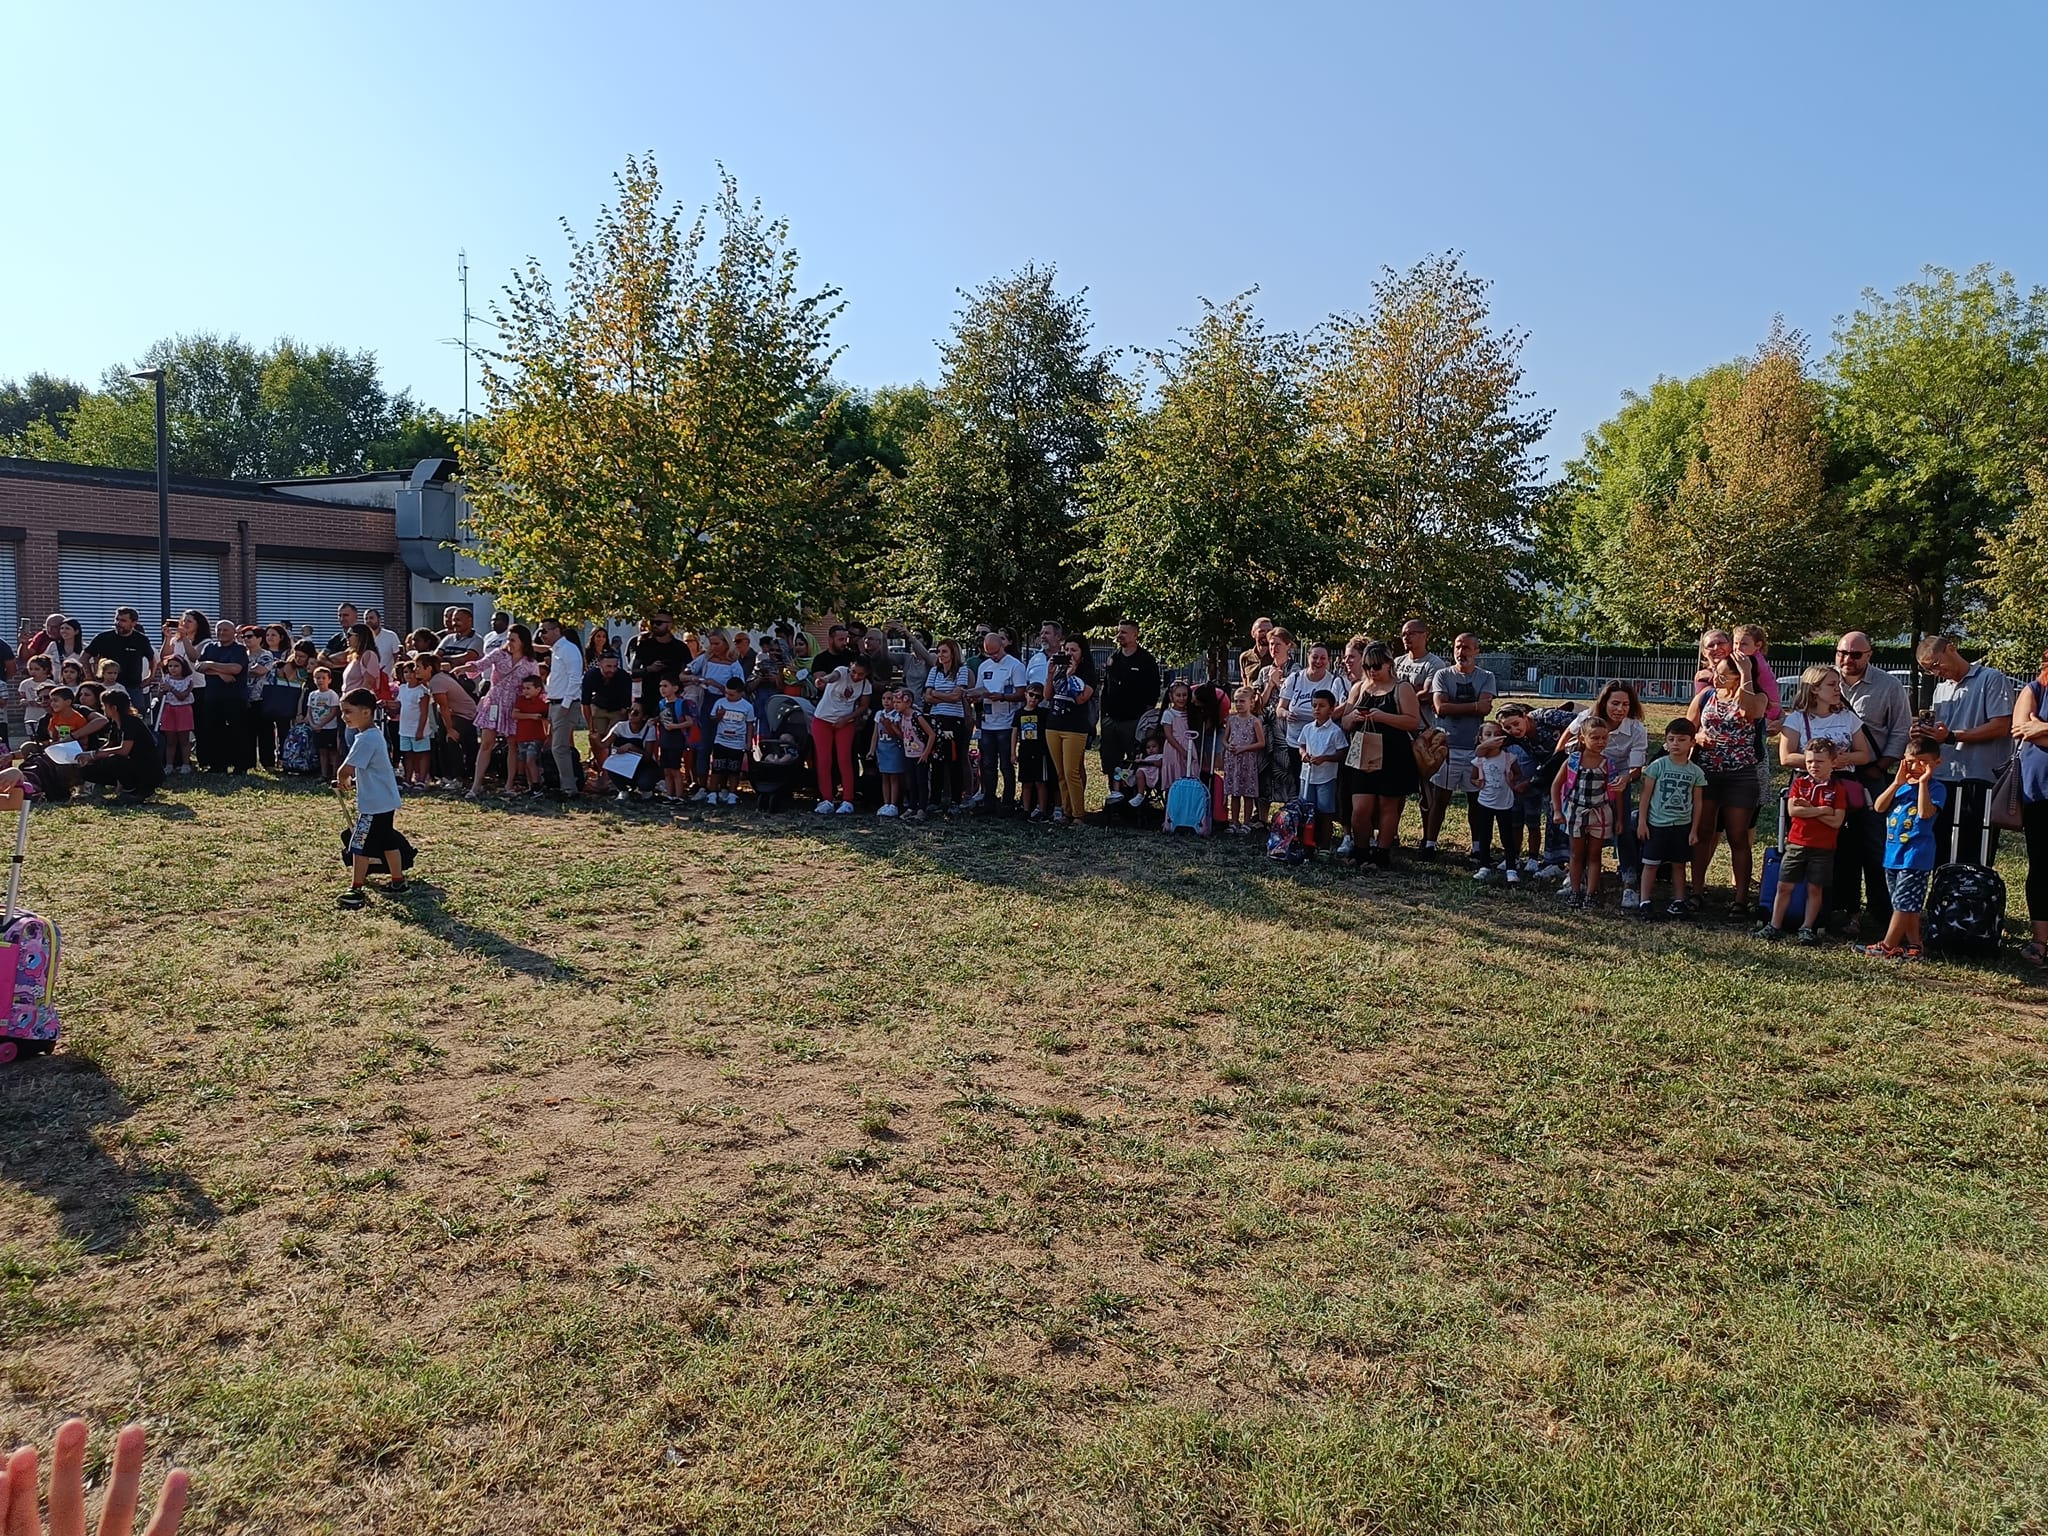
[
  {"x": 1323, "y": 797},
  {"x": 1907, "y": 889},
  {"x": 415, "y": 743}
]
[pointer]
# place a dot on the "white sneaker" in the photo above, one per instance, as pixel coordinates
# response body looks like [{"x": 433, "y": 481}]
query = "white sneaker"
[
  {"x": 731, "y": 798},
  {"x": 1514, "y": 875},
  {"x": 888, "y": 810},
  {"x": 1344, "y": 848},
  {"x": 1116, "y": 797},
  {"x": 1630, "y": 900},
  {"x": 846, "y": 808},
  {"x": 824, "y": 808},
  {"x": 1059, "y": 816}
]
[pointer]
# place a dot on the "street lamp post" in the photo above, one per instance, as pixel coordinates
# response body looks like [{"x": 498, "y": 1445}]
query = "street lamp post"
[{"x": 163, "y": 494}]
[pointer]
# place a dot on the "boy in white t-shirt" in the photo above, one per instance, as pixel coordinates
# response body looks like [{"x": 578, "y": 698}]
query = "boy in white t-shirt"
[
  {"x": 732, "y": 719},
  {"x": 1322, "y": 751}
]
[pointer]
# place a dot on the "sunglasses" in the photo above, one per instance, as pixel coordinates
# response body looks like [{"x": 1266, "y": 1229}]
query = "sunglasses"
[{"x": 1852, "y": 655}]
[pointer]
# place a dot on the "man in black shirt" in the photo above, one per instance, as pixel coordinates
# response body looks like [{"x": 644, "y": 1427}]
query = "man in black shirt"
[
  {"x": 607, "y": 696},
  {"x": 838, "y": 652},
  {"x": 226, "y": 744},
  {"x": 337, "y": 643},
  {"x": 660, "y": 653},
  {"x": 127, "y": 646},
  {"x": 1130, "y": 686}
]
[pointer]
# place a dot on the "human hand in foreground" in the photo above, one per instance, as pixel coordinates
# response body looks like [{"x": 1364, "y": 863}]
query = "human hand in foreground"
[{"x": 67, "y": 1489}]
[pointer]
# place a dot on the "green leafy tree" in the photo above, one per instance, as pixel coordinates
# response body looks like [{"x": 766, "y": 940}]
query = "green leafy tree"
[
  {"x": 234, "y": 412},
  {"x": 655, "y": 438},
  {"x": 1205, "y": 508},
  {"x": 1418, "y": 411},
  {"x": 425, "y": 433},
  {"x": 2013, "y": 586},
  {"x": 41, "y": 397},
  {"x": 1939, "y": 407},
  {"x": 985, "y": 522},
  {"x": 1748, "y": 533},
  {"x": 1634, "y": 461}
]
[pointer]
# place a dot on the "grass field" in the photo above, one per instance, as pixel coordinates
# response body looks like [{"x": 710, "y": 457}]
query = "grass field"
[{"x": 652, "y": 1173}]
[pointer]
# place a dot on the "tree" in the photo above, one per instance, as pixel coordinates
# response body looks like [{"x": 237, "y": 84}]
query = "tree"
[
  {"x": 1939, "y": 405},
  {"x": 40, "y": 397},
  {"x": 654, "y": 438},
  {"x": 233, "y": 412},
  {"x": 1637, "y": 459},
  {"x": 424, "y": 434},
  {"x": 1204, "y": 509},
  {"x": 1419, "y": 411},
  {"x": 1748, "y": 534},
  {"x": 2014, "y": 583},
  {"x": 985, "y": 522}
]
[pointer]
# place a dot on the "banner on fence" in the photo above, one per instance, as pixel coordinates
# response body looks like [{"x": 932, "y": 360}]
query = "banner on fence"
[{"x": 1661, "y": 690}]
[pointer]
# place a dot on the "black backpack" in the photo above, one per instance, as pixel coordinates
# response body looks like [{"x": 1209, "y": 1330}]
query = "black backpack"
[{"x": 1965, "y": 914}]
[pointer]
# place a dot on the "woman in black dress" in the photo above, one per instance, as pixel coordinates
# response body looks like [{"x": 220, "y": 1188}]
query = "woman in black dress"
[{"x": 1382, "y": 703}]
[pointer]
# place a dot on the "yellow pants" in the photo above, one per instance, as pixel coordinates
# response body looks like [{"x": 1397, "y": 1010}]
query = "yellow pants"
[{"x": 1069, "y": 751}]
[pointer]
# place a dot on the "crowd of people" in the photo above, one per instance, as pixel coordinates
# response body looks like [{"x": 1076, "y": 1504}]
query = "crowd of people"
[{"x": 893, "y": 722}]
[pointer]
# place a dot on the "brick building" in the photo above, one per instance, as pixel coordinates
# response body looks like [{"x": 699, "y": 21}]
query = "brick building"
[{"x": 81, "y": 540}]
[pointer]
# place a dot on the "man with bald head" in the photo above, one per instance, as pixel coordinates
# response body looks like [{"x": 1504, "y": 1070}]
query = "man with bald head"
[
  {"x": 1880, "y": 702},
  {"x": 1251, "y": 662}
]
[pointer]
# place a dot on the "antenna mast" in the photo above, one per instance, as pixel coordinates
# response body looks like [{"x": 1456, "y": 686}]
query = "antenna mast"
[{"x": 462, "y": 272}]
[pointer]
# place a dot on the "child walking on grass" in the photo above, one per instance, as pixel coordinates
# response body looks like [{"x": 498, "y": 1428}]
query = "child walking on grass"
[
  {"x": 367, "y": 770},
  {"x": 1586, "y": 811},
  {"x": 1910, "y": 807}
]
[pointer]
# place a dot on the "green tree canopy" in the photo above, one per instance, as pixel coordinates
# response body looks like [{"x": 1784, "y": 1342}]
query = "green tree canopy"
[
  {"x": 658, "y": 437},
  {"x": 1423, "y": 427},
  {"x": 41, "y": 397},
  {"x": 985, "y": 522},
  {"x": 234, "y": 412},
  {"x": 1939, "y": 407},
  {"x": 1206, "y": 507}
]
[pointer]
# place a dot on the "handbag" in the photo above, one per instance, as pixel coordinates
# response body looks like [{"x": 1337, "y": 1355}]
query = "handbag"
[
  {"x": 1367, "y": 752},
  {"x": 281, "y": 702},
  {"x": 1432, "y": 751},
  {"x": 2004, "y": 807}
]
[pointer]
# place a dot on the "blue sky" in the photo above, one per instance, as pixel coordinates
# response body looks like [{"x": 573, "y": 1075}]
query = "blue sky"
[{"x": 1646, "y": 185}]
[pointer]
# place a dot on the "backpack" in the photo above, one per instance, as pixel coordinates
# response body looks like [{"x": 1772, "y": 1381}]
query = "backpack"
[
  {"x": 31, "y": 1023},
  {"x": 298, "y": 755},
  {"x": 1965, "y": 912},
  {"x": 1187, "y": 807},
  {"x": 1292, "y": 837}
]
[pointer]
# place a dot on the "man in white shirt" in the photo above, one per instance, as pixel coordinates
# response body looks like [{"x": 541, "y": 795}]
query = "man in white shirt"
[
  {"x": 999, "y": 684},
  {"x": 387, "y": 639},
  {"x": 565, "y": 699}
]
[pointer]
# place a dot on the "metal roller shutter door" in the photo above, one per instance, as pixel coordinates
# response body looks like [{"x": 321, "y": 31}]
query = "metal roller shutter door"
[
  {"x": 299, "y": 592},
  {"x": 92, "y": 583},
  {"x": 10, "y": 595}
]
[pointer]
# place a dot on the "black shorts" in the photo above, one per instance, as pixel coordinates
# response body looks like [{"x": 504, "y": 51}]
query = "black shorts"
[
  {"x": 1737, "y": 790},
  {"x": 671, "y": 750},
  {"x": 1668, "y": 845},
  {"x": 1034, "y": 763},
  {"x": 374, "y": 836},
  {"x": 725, "y": 760}
]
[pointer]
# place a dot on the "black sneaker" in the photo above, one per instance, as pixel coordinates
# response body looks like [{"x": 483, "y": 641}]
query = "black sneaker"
[
  {"x": 1678, "y": 909},
  {"x": 352, "y": 899},
  {"x": 1809, "y": 937}
]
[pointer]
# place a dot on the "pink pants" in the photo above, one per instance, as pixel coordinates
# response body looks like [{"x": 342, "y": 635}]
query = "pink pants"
[{"x": 833, "y": 744}]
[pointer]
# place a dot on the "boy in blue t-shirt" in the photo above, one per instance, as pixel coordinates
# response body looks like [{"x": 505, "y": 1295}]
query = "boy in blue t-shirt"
[{"x": 1909, "y": 807}]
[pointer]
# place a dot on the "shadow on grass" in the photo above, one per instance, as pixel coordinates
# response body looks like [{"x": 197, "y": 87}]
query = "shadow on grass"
[
  {"x": 52, "y": 1111},
  {"x": 424, "y": 906}
]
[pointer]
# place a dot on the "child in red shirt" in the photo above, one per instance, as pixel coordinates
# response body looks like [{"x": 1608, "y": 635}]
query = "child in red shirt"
[
  {"x": 1819, "y": 804},
  {"x": 529, "y": 734}
]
